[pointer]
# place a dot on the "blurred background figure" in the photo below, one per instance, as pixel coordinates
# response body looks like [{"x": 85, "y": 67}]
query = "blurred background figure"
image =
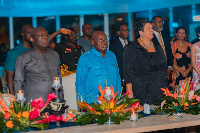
[
  {"x": 117, "y": 47},
  {"x": 197, "y": 31},
  {"x": 3, "y": 54},
  {"x": 195, "y": 59},
  {"x": 182, "y": 56},
  {"x": 85, "y": 40},
  {"x": 163, "y": 40},
  {"x": 145, "y": 65},
  {"x": 14, "y": 53}
]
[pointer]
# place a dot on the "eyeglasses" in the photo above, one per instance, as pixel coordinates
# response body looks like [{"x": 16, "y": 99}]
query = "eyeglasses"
[
  {"x": 102, "y": 40},
  {"x": 124, "y": 30},
  {"x": 43, "y": 36}
]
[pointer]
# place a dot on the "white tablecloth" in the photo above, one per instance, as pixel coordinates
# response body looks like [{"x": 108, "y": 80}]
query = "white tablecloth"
[{"x": 68, "y": 83}]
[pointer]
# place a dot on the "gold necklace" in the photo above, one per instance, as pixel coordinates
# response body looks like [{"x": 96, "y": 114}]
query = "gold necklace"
[{"x": 147, "y": 45}]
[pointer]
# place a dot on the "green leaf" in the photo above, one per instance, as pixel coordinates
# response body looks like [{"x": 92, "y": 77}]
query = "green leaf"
[
  {"x": 41, "y": 126},
  {"x": 27, "y": 107},
  {"x": 16, "y": 107},
  {"x": 21, "y": 106},
  {"x": 116, "y": 120},
  {"x": 102, "y": 119}
]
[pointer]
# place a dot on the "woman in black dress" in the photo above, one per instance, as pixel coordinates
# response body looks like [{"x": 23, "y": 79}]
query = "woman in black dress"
[{"x": 144, "y": 66}]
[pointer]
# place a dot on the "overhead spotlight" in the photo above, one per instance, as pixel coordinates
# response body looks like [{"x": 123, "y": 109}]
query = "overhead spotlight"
[
  {"x": 119, "y": 19},
  {"x": 196, "y": 18}
]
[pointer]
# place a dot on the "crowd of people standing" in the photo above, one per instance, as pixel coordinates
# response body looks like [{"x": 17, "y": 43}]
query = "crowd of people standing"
[{"x": 140, "y": 67}]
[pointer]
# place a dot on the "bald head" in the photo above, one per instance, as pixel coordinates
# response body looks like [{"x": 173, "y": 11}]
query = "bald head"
[
  {"x": 99, "y": 41},
  {"x": 26, "y": 30},
  {"x": 96, "y": 34},
  {"x": 37, "y": 30},
  {"x": 40, "y": 39}
]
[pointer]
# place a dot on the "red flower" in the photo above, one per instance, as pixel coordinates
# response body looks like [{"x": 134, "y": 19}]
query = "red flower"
[
  {"x": 134, "y": 104},
  {"x": 34, "y": 114},
  {"x": 191, "y": 85},
  {"x": 7, "y": 115},
  {"x": 49, "y": 98},
  {"x": 51, "y": 118},
  {"x": 127, "y": 93},
  {"x": 37, "y": 103}
]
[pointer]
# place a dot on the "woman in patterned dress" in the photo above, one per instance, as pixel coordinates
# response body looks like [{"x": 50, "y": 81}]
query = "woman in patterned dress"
[
  {"x": 195, "y": 59},
  {"x": 182, "y": 56}
]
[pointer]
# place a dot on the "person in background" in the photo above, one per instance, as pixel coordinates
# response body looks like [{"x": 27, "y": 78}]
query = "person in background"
[
  {"x": 36, "y": 68},
  {"x": 97, "y": 66},
  {"x": 14, "y": 53},
  {"x": 69, "y": 52},
  {"x": 3, "y": 54},
  {"x": 163, "y": 40},
  {"x": 145, "y": 65},
  {"x": 195, "y": 59},
  {"x": 85, "y": 40},
  {"x": 197, "y": 31},
  {"x": 117, "y": 47},
  {"x": 182, "y": 56}
]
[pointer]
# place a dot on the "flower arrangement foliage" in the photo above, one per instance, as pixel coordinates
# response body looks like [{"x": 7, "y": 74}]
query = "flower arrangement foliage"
[
  {"x": 120, "y": 108},
  {"x": 19, "y": 117},
  {"x": 184, "y": 99}
]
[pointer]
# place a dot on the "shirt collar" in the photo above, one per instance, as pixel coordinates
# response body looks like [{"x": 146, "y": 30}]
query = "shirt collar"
[
  {"x": 20, "y": 45},
  {"x": 122, "y": 41},
  {"x": 156, "y": 33},
  {"x": 97, "y": 52}
]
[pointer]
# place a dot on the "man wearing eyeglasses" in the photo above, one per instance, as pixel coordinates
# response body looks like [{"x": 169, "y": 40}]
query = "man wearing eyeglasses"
[
  {"x": 36, "y": 68},
  {"x": 97, "y": 66},
  {"x": 164, "y": 41},
  {"x": 117, "y": 47},
  {"x": 85, "y": 40}
]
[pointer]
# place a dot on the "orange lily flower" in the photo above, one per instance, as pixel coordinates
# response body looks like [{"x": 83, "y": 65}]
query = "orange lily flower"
[
  {"x": 167, "y": 92},
  {"x": 193, "y": 97},
  {"x": 183, "y": 88},
  {"x": 11, "y": 102},
  {"x": 3, "y": 105},
  {"x": 193, "y": 103}
]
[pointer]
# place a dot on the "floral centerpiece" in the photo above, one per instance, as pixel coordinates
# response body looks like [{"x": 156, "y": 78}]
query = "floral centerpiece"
[
  {"x": 120, "y": 108},
  {"x": 19, "y": 117},
  {"x": 184, "y": 99}
]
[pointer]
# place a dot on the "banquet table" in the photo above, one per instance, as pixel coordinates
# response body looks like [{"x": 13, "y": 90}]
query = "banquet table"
[{"x": 144, "y": 124}]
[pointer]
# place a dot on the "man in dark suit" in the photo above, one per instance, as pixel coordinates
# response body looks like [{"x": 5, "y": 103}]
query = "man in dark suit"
[
  {"x": 117, "y": 47},
  {"x": 163, "y": 40}
]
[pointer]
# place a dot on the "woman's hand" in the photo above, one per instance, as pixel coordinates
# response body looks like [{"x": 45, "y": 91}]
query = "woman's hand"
[{"x": 184, "y": 73}]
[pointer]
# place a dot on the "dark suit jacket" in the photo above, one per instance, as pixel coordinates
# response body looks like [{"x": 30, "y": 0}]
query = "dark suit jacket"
[
  {"x": 168, "y": 49},
  {"x": 117, "y": 48}
]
